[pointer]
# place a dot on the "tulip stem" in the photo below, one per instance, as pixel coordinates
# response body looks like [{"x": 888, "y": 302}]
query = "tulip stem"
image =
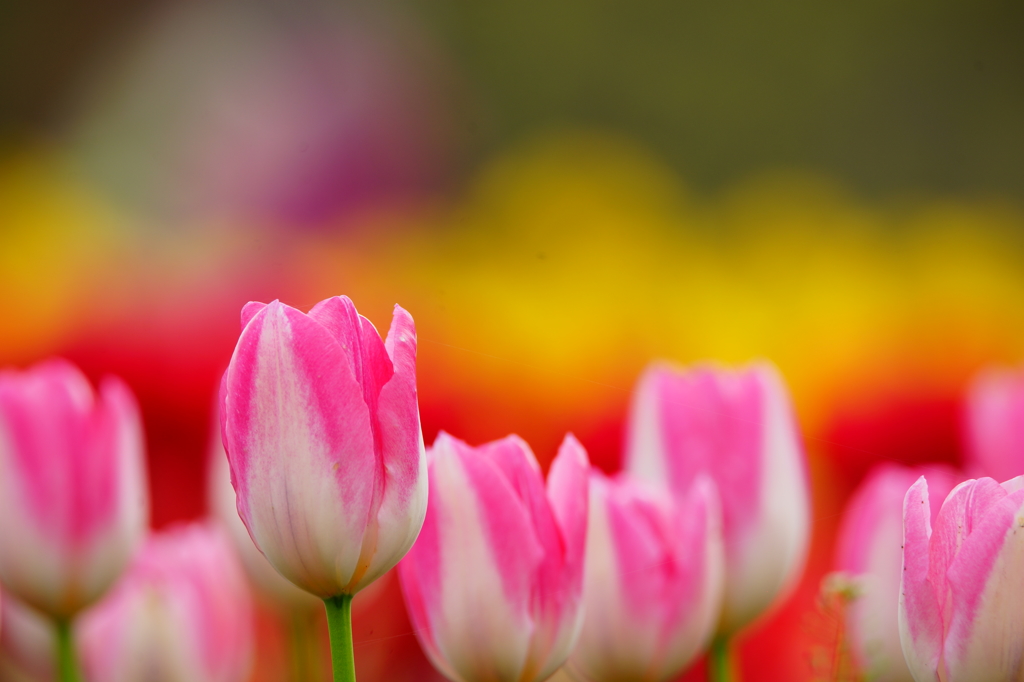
[
  {"x": 720, "y": 661},
  {"x": 67, "y": 669},
  {"x": 339, "y": 625}
]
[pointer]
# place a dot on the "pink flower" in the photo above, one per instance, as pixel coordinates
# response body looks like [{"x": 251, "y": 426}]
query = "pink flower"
[
  {"x": 28, "y": 643},
  {"x": 653, "y": 581},
  {"x": 961, "y": 607},
  {"x": 73, "y": 497},
  {"x": 322, "y": 431},
  {"x": 493, "y": 585},
  {"x": 182, "y": 613},
  {"x": 869, "y": 551},
  {"x": 994, "y": 425},
  {"x": 738, "y": 428}
]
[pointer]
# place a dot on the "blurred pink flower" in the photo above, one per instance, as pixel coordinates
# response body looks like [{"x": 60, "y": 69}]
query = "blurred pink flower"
[
  {"x": 961, "y": 606},
  {"x": 653, "y": 580},
  {"x": 493, "y": 584},
  {"x": 738, "y": 428},
  {"x": 73, "y": 496},
  {"x": 182, "y": 613},
  {"x": 869, "y": 551},
  {"x": 994, "y": 424},
  {"x": 321, "y": 426}
]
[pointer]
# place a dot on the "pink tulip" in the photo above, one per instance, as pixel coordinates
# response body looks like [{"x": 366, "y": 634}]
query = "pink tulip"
[
  {"x": 73, "y": 497},
  {"x": 493, "y": 585},
  {"x": 321, "y": 427},
  {"x": 738, "y": 428},
  {"x": 994, "y": 425},
  {"x": 652, "y": 583},
  {"x": 961, "y": 607},
  {"x": 182, "y": 613},
  {"x": 870, "y": 554}
]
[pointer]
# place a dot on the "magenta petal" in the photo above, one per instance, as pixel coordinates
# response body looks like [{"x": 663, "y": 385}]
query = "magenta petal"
[{"x": 249, "y": 311}]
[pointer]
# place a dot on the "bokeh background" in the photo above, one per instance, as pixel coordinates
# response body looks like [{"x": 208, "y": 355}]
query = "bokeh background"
[{"x": 558, "y": 191}]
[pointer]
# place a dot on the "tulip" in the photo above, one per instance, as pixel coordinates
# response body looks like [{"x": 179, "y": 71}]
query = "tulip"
[
  {"x": 73, "y": 497},
  {"x": 994, "y": 424},
  {"x": 493, "y": 585},
  {"x": 870, "y": 555},
  {"x": 738, "y": 428},
  {"x": 652, "y": 582},
  {"x": 182, "y": 613},
  {"x": 27, "y": 643},
  {"x": 321, "y": 426},
  {"x": 961, "y": 606}
]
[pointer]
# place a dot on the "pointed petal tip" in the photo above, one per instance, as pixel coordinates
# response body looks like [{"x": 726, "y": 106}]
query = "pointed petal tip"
[{"x": 251, "y": 309}]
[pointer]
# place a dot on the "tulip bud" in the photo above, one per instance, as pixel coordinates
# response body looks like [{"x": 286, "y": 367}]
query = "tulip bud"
[
  {"x": 321, "y": 427},
  {"x": 493, "y": 584},
  {"x": 961, "y": 606},
  {"x": 73, "y": 497},
  {"x": 994, "y": 424},
  {"x": 736, "y": 427},
  {"x": 182, "y": 613},
  {"x": 222, "y": 504},
  {"x": 653, "y": 581},
  {"x": 869, "y": 550}
]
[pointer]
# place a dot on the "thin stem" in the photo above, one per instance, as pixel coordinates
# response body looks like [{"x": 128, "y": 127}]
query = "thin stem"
[
  {"x": 67, "y": 667},
  {"x": 339, "y": 625},
  {"x": 720, "y": 663}
]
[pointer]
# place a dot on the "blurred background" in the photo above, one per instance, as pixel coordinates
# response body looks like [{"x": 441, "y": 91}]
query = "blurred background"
[{"x": 558, "y": 192}]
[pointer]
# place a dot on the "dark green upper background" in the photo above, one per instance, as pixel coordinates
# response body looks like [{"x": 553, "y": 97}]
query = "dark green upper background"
[{"x": 888, "y": 96}]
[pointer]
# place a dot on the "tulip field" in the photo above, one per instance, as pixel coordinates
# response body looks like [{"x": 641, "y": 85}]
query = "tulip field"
[{"x": 511, "y": 342}]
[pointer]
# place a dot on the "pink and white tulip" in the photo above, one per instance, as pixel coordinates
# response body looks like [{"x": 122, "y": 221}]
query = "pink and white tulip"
[
  {"x": 182, "y": 613},
  {"x": 493, "y": 584},
  {"x": 653, "y": 581},
  {"x": 73, "y": 496},
  {"x": 994, "y": 424},
  {"x": 869, "y": 552},
  {"x": 321, "y": 426},
  {"x": 737, "y": 427},
  {"x": 961, "y": 607}
]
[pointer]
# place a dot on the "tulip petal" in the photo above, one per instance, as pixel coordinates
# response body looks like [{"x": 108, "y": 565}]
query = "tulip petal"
[
  {"x": 249, "y": 311},
  {"x": 299, "y": 440},
  {"x": 404, "y": 502},
  {"x": 920, "y": 618},
  {"x": 985, "y": 636}
]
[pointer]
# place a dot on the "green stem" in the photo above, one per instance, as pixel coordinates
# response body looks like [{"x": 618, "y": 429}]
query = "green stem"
[
  {"x": 67, "y": 667},
  {"x": 339, "y": 625},
  {"x": 720, "y": 661}
]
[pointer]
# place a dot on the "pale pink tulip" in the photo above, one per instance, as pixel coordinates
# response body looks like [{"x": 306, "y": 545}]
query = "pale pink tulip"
[
  {"x": 493, "y": 585},
  {"x": 737, "y": 427},
  {"x": 182, "y": 613},
  {"x": 321, "y": 427},
  {"x": 961, "y": 606},
  {"x": 73, "y": 497},
  {"x": 28, "y": 644},
  {"x": 994, "y": 424},
  {"x": 869, "y": 552},
  {"x": 653, "y": 580}
]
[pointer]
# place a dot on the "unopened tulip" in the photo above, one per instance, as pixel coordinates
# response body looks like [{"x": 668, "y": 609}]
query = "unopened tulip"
[
  {"x": 493, "y": 584},
  {"x": 961, "y": 607},
  {"x": 869, "y": 552},
  {"x": 182, "y": 613},
  {"x": 652, "y": 583},
  {"x": 73, "y": 497},
  {"x": 737, "y": 427},
  {"x": 321, "y": 426},
  {"x": 994, "y": 425}
]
